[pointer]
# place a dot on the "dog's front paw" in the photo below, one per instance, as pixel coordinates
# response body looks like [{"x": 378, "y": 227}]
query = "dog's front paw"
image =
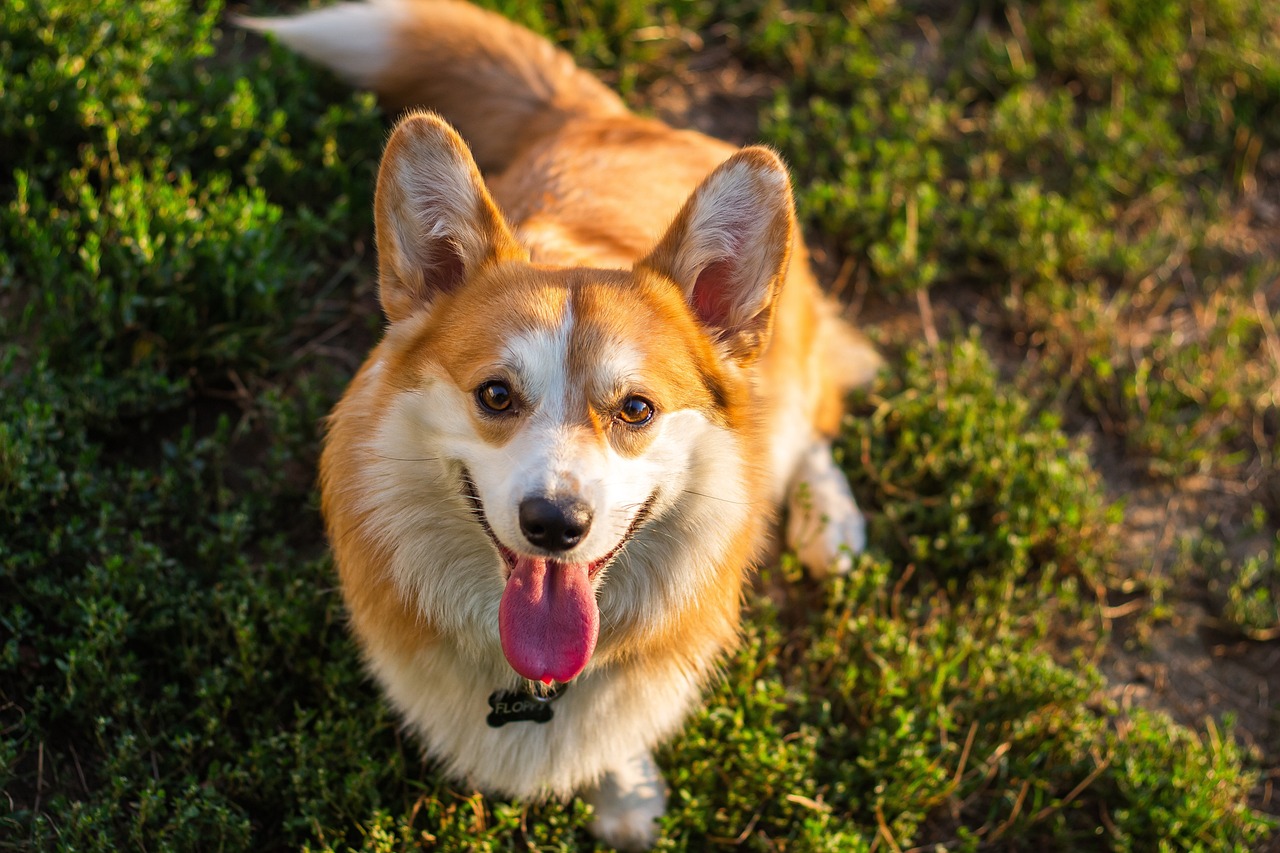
[
  {"x": 628, "y": 802},
  {"x": 824, "y": 525}
]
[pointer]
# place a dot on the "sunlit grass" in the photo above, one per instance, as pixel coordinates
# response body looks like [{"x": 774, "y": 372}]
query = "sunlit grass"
[{"x": 184, "y": 273}]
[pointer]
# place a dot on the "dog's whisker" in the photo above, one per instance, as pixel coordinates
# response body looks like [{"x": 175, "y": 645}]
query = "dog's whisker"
[
  {"x": 714, "y": 497},
  {"x": 405, "y": 458}
]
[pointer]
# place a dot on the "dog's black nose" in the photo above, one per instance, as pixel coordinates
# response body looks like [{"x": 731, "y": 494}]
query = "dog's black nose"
[{"x": 554, "y": 525}]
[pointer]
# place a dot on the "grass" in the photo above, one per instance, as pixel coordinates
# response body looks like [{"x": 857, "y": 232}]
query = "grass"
[{"x": 1074, "y": 194}]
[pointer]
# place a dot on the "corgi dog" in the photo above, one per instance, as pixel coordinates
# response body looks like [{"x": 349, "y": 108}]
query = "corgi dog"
[{"x": 606, "y": 370}]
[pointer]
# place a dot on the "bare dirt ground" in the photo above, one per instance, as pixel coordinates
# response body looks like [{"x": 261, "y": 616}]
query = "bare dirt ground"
[
  {"x": 1183, "y": 665},
  {"x": 1188, "y": 666}
]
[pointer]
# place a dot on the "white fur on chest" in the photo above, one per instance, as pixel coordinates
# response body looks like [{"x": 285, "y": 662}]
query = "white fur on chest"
[{"x": 603, "y": 717}]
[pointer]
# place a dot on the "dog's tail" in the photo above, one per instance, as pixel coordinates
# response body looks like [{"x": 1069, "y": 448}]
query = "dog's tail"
[{"x": 499, "y": 84}]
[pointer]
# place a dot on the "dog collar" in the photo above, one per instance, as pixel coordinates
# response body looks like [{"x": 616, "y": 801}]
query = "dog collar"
[{"x": 520, "y": 706}]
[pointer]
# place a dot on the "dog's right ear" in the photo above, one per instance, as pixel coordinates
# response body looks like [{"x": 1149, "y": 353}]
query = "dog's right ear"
[{"x": 436, "y": 222}]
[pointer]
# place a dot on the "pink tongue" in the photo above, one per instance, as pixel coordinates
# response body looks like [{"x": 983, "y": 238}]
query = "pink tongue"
[{"x": 548, "y": 619}]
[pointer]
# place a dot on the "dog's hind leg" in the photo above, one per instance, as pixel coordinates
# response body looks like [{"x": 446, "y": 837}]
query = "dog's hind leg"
[
  {"x": 628, "y": 801},
  {"x": 824, "y": 525}
]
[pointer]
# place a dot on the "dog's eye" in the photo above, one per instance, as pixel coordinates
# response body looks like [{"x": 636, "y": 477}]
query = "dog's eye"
[
  {"x": 635, "y": 411},
  {"x": 494, "y": 396}
]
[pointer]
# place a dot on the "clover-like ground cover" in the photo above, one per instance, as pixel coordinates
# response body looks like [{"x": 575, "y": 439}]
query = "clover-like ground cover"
[{"x": 1061, "y": 221}]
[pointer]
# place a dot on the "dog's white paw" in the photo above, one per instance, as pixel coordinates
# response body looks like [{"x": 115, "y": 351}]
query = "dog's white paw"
[
  {"x": 628, "y": 802},
  {"x": 824, "y": 525}
]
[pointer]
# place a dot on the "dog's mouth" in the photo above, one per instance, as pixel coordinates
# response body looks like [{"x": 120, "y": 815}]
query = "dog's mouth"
[{"x": 548, "y": 619}]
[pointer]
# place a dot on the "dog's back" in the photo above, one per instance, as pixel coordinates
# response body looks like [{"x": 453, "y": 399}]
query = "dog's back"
[{"x": 583, "y": 179}]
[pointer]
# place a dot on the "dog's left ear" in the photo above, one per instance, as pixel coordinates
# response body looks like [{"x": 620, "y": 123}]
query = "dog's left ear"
[{"x": 729, "y": 247}]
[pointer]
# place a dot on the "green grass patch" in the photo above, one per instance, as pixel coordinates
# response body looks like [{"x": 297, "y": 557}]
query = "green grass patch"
[{"x": 185, "y": 233}]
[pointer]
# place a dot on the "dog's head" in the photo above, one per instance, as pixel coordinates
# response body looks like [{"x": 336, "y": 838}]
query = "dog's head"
[{"x": 553, "y": 422}]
